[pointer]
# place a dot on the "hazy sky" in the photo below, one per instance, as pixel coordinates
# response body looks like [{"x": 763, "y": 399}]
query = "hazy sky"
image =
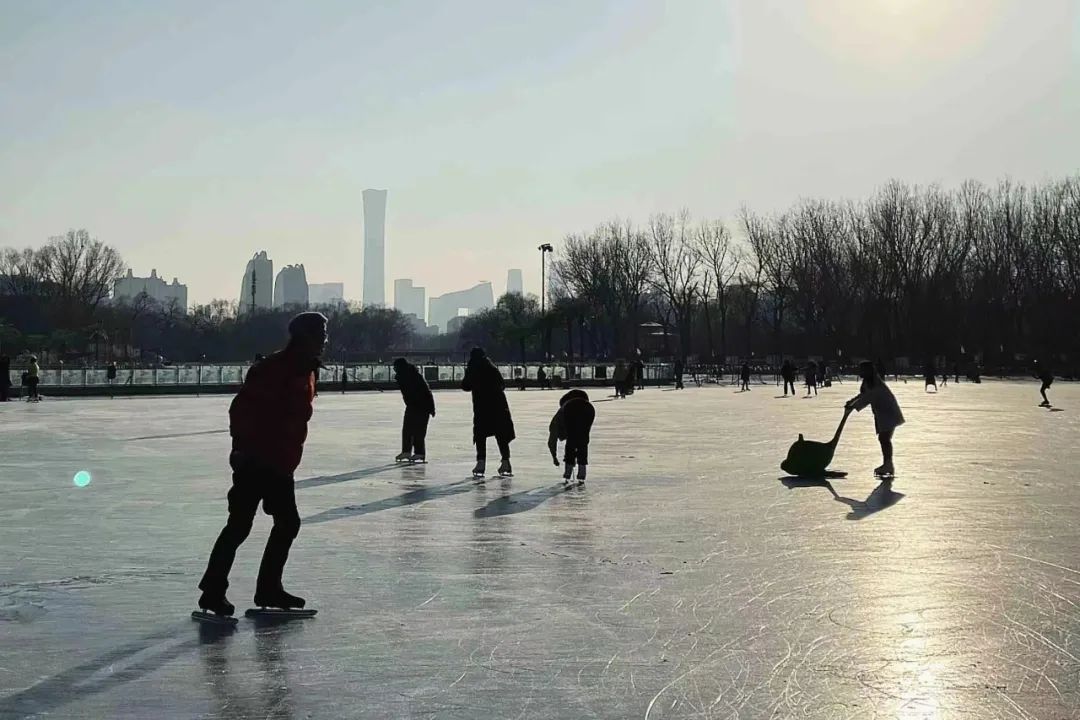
[{"x": 192, "y": 134}]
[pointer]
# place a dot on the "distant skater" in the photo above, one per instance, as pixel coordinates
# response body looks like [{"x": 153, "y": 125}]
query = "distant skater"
[
  {"x": 787, "y": 372},
  {"x": 491, "y": 411},
  {"x": 621, "y": 378},
  {"x": 887, "y": 416},
  {"x": 572, "y": 422},
  {"x": 929, "y": 377},
  {"x": 744, "y": 376},
  {"x": 944, "y": 377},
  {"x": 1043, "y": 372},
  {"x": 679, "y": 369},
  {"x": 419, "y": 409},
  {"x": 268, "y": 422},
  {"x": 637, "y": 376},
  {"x": 811, "y": 378},
  {"x": 33, "y": 377}
]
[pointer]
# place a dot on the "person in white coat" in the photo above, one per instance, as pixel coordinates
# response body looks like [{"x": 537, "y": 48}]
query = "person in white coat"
[{"x": 887, "y": 416}]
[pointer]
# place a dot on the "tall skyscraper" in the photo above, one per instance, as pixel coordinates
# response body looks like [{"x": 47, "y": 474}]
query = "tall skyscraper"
[
  {"x": 258, "y": 282},
  {"x": 291, "y": 288},
  {"x": 408, "y": 298},
  {"x": 374, "y": 247},
  {"x": 513, "y": 282}
]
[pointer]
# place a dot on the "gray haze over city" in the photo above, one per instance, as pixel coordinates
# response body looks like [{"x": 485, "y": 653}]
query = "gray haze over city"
[{"x": 191, "y": 136}]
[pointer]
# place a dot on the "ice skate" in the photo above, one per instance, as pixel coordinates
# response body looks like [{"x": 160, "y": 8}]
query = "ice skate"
[
  {"x": 480, "y": 469},
  {"x": 580, "y": 475},
  {"x": 1044, "y": 403},
  {"x": 278, "y": 604},
  {"x": 504, "y": 468},
  {"x": 215, "y": 609},
  {"x": 402, "y": 457},
  {"x": 417, "y": 459},
  {"x": 885, "y": 470}
]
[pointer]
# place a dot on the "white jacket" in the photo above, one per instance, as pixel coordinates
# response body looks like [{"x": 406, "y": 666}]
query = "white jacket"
[{"x": 887, "y": 415}]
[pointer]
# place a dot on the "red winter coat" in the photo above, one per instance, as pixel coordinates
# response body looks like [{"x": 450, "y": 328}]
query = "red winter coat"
[{"x": 268, "y": 418}]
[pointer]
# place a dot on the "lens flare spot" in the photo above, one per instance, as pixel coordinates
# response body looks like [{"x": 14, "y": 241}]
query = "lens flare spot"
[{"x": 82, "y": 478}]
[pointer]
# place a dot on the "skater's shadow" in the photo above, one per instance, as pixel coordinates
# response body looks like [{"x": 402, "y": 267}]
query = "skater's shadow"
[
  {"x": 882, "y": 497},
  {"x": 344, "y": 477},
  {"x": 124, "y": 664},
  {"x": 519, "y": 502},
  {"x": 176, "y": 435},
  {"x": 409, "y": 498}
]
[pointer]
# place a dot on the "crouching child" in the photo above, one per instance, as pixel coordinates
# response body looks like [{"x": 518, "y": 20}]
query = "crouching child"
[{"x": 572, "y": 423}]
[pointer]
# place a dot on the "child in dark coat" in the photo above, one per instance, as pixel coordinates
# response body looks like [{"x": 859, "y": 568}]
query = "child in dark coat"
[
  {"x": 572, "y": 422},
  {"x": 419, "y": 409}
]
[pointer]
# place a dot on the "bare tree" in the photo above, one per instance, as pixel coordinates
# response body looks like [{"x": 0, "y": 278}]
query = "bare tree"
[
  {"x": 678, "y": 265},
  {"x": 722, "y": 259}
]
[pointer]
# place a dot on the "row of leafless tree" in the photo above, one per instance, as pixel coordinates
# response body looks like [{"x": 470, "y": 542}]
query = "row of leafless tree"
[{"x": 910, "y": 271}]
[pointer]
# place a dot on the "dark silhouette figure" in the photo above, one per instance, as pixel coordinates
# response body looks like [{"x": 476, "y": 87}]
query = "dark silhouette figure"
[
  {"x": 887, "y": 416},
  {"x": 572, "y": 422},
  {"x": 811, "y": 378},
  {"x": 268, "y": 422},
  {"x": 679, "y": 369},
  {"x": 638, "y": 374},
  {"x": 787, "y": 372},
  {"x": 744, "y": 374},
  {"x": 929, "y": 376},
  {"x": 419, "y": 409},
  {"x": 5, "y": 378},
  {"x": 491, "y": 412},
  {"x": 542, "y": 379},
  {"x": 956, "y": 373},
  {"x": 622, "y": 379},
  {"x": 33, "y": 377},
  {"x": 1046, "y": 375}
]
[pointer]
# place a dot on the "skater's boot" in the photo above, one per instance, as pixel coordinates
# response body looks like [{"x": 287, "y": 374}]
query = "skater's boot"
[
  {"x": 581, "y": 474},
  {"x": 568, "y": 471},
  {"x": 480, "y": 468},
  {"x": 504, "y": 467},
  {"x": 418, "y": 458},
  {"x": 217, "y": 604},
  {"x": 885, "y": 470},
  {"x": 402, "y": 456},
  {"x": 278, "y": 599}
]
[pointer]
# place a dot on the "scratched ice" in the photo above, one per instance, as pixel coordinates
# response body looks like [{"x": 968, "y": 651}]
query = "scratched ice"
[{"x": 686, "y": 580}]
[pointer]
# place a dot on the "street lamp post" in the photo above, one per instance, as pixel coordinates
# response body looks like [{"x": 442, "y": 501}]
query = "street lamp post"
[{"x": 544, "y": 250}]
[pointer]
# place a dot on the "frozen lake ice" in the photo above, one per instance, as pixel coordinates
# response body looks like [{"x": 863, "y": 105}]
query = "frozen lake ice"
[{"x": 685, "y": 581}]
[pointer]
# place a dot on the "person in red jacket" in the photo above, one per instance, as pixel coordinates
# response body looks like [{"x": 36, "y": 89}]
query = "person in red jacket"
[{"x": 268, "y": 422}]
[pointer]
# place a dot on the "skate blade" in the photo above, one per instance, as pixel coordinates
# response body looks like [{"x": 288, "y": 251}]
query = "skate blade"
[
  {"x": 213, "y": 618},
  {"x": 265, "y": 612}
]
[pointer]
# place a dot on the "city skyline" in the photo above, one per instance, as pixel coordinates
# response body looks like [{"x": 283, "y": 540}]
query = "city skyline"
[{"x": 208, "y": 143}]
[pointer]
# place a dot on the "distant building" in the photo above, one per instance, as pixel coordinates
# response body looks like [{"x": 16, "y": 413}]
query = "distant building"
[
  {"x": 513, "y": 282},
  {"x": 408, "y": 298},
  {"x": 419, "y": 327},
  {"x": 291, "y": 288},
  {"x": 258, "y": 282},
  {"x": 443, "y": 308},
  {"x": 130, "y": 287},
  {"x": 322, "y": 294},
  {"x": 374, "y": 247},
  {"x": 454, "y": 324}
]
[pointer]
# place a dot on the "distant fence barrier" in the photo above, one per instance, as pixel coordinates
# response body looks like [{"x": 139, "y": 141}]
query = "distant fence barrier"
[{"x": 223, "y": 378}]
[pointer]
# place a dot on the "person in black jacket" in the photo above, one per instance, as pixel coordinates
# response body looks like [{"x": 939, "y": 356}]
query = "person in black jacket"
[
  {"x": 572, "y": 423},
  {"x": 491, "y": 412},
  {"x": 419, "y": 408}
]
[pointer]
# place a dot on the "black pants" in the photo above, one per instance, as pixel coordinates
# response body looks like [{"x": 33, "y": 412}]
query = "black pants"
[
  {"x": 792, "y": 384},
  {"x": 885, "y": 439},
  {"x": 576, "y": 451},
  {"x": 414, "y": 431},
  {"x": 481, "y": 447},
  {"x": 31, "y": 385},
  {"x": 252, "y": 484},
  {"x": 678, "y": 381},
  {"x": 3, "y": 392}
]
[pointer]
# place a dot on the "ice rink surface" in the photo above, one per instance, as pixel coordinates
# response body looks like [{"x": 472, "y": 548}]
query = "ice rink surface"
[{"x": 685, "y": 581}]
